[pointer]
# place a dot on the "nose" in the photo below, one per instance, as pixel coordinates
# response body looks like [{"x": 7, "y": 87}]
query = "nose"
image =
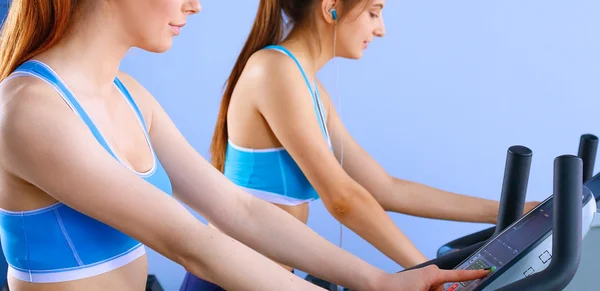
[
  {"x": 192, "y": 7},
  {"x": 380, "y": 30}
]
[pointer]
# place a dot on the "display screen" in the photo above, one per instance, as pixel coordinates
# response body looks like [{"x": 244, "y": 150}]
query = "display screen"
[
  {"x": 501, "y": 253},
  {"x": 507, "y": 246}
]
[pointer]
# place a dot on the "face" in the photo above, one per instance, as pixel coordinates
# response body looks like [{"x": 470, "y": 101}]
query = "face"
[
  {"x": 152, "y": 25},
  {"x": 358, "y": 29}
]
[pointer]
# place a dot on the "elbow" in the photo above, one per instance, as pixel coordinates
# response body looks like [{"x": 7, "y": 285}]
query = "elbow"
[
  {"x": 180, "y": 255},
  {"x": 190, "y": 265},
  {"x": 343, "y": 205},
  {"x": 183, "y": 249},
  {"x": 178, "y": 252},
  {"x": 340, "y": 207}
]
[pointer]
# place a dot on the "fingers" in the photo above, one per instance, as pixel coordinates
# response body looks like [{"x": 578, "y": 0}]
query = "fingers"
[{"x": 444, "y": 276}]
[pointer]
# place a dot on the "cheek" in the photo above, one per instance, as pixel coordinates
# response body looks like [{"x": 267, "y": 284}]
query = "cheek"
[
  {"x": 154, "y": 34},
  {"x": 162, "y": 13},
  {"x": 350, "y": 34},
  {"x": 143, "y": 24},
  {"x": 359, "y": 29}
]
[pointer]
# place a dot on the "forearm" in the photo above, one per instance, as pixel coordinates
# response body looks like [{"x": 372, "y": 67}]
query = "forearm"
[
  {"x": 424, "y": 201},
  {"x": 220, "y": 259},
  {"x": 363, "y": 215},
  {"x": 283, "y": 238}
]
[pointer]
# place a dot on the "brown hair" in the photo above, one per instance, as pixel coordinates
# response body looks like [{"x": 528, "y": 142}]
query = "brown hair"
[
  {"x": 31, "y": 27},
  {"x": 268, "y": 29}
]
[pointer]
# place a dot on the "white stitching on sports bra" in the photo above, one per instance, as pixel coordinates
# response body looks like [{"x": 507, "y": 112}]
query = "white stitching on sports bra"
[{"x": 67, "y": 237}]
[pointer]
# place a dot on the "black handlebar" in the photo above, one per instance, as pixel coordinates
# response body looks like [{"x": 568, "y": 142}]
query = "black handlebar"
[
  {"x": 514, "y": 186},
  {"x": 567, "y": 236},
  {"x": 588, "y": 146},
  {"x": 514, "y": 189}
]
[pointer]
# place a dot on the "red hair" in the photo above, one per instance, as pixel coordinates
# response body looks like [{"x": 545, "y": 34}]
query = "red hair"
[{"x": 31, "y": 27}]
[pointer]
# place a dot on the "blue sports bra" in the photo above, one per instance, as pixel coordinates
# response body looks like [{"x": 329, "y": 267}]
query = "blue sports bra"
[
  {"x": 57, "y": 243},
  {"x": 272, "y": 174}
]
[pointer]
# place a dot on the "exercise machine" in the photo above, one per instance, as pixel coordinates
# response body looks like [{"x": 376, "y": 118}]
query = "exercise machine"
[
  {"x": 516, "y": 176},
  {"x": 552, "y": 247},
  {"x": 543, "y": 249}
]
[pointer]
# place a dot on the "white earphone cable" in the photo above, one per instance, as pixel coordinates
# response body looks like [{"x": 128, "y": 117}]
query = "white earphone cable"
[{"x": 336, "y": 85}]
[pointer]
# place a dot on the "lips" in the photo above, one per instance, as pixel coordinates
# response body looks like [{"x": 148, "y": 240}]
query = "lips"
[{"x": 176, "y": 28}]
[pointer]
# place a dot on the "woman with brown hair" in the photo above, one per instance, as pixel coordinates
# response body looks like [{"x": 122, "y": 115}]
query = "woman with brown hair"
[{"x": 279, "y": 137}]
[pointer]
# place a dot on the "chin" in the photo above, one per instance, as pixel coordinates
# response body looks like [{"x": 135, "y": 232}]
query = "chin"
[
  {"x": 159, "y": 47},
  {"x": 162, "y": 48},
  {"x": 355, "y": 56},
  {"x": 352, "y": 55}
]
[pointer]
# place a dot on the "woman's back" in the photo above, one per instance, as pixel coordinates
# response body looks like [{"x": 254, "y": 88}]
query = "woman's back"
[{"x": 255, "y": 158}]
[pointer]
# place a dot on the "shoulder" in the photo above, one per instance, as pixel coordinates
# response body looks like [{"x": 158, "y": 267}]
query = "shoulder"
[
  {"x": 268, "y": 61},
  {"x": 22, "y": 88},
  {"x": 271, "y": 74},
  {"x": 22, "y": 95},
  {"x": 269, "y": 66},
  {"x": 32, "y": 113}
]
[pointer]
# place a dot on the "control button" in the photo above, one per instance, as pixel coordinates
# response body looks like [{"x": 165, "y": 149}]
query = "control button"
[
  {"x": 545, "y": 257},
  {"x": 529, "y": 272},
  {"x": 453, "y": 287}
]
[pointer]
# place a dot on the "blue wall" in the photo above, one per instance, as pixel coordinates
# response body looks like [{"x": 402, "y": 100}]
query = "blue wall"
[
  {"x": 3, "y": 9},
  {"x": 438, "y": 100},
  {"x": 446, "y": 92}
]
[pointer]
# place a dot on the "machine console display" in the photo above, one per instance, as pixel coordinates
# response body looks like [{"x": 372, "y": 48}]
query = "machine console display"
[{"x": 513, "y": 243}]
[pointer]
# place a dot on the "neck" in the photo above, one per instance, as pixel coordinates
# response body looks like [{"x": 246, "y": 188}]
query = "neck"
[
  {"x": 313, "y": 51},
  {"x": 89, "y": 54}
]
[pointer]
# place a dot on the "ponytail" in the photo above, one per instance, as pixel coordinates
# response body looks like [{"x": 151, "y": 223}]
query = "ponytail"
[
  {"x": 267, "y": 29},
  {"x": 31, "y": 27}
]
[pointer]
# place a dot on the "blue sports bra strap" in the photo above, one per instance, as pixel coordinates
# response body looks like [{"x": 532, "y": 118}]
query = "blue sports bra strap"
[
  {"x": 318, "y": 109},
  {"x": 287, "y": 52},
  {"x": 313, "y": 94},
  {"x": 42, "y": 71},
  {"x": 322, "y": 111},
  {"x": 131, "y": 102}
]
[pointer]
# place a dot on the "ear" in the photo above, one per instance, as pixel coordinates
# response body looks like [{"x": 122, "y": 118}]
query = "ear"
[{"x": 330, "y": 11}]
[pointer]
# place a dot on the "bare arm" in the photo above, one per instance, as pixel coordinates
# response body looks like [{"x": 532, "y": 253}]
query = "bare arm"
[
  {"x": 256, "y": 222},
  {"x": 287, "y": 107},
  {"x": 46, "y": 144},
  {"x": 404, "y": 196},
  {"x": 250, "y": 220}
]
